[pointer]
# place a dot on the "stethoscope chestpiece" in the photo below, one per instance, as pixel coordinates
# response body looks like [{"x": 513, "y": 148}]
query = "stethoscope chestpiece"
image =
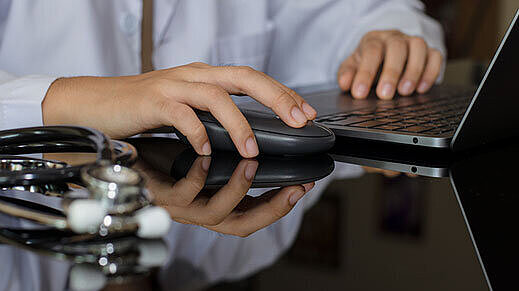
[{"x": 119, "y": 189}]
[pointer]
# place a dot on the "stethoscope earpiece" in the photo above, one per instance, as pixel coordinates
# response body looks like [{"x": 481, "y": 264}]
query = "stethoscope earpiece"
[{"x": 117, "y": 201}]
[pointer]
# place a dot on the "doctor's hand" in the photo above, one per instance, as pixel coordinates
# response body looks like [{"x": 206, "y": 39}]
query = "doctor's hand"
[
  {"x": 125, "y": 106},
  {"x": 408, "y": 65},
  {"x": 227, "y": 210}
]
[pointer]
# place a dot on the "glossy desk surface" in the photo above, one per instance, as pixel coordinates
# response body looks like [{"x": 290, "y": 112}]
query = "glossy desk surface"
[{"x": 356, "y": 230}]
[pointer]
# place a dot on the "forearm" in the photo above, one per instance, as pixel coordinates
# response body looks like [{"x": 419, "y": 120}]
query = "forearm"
[{"x": 77, "y": 100}]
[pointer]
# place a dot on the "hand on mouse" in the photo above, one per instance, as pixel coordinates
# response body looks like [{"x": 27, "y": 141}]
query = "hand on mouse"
[
  {"x": 408, "y": 64},
  {"x": 227, "y": 210},
  {"x": 125, "y": 106}
]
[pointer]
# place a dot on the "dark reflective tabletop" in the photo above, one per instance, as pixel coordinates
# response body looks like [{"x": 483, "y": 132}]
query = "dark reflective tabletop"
[{"x": 443, "y": 223}]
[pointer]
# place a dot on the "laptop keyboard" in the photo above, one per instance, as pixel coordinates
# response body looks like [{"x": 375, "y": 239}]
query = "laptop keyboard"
[{"x": 435, "y": 116}]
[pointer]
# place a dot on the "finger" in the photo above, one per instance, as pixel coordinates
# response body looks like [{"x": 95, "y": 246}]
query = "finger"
[
  {"x": 282, "y": 100},
  {"x": 371, "y": 58},
  {"x": 432, "y": 70},
  {"x": 228, "y": 197},
  {"x": 415, "y": 66},
  {"x": 184, "y": 191},
  {"x": 214, "y": 210},
  {"x": 262, "y": 212},
  {"x": 309, "y": 186},
  {"x": 184, "y": 119},
  {"x": 394, "y": 62},
  {"x": 346, "y": 73},
  {"x": 308, "y": 110},
  {"x": 212, "y": 98}
]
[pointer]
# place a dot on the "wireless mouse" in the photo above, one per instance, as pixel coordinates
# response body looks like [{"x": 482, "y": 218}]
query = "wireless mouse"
[{"x": 273, "y": 136}]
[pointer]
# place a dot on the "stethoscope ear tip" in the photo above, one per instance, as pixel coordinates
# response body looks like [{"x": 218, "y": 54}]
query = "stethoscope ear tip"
[
  {"x": 85, "y": 215},
  {"x": 84, "y": 277},
  {"x": 153, "y": 221}
]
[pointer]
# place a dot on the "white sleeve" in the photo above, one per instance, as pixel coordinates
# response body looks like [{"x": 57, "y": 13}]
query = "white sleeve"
[
  {"x": 313, "y": 38},
  {"x": 20, "y": 99},
  {"x": 406, "y": 16}
]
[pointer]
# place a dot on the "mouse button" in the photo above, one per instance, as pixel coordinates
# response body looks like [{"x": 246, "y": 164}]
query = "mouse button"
[
  {"x": 269, "y": 122},
  {"x": 279, "y": 127}
]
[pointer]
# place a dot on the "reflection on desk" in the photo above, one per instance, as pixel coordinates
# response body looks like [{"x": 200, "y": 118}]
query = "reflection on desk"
[{"x": 362, "y": 233}]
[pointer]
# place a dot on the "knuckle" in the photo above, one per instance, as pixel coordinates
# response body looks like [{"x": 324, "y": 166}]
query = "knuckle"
[
  {"x": 373, "y": 49},
  {"x": 245, "y": 70},
  {"x": 417, "y": 41},
  {"x": 434, "y": 53},
  {"x": 182, "y": 201},
  {"x": 370, "y": 35},
  {"x": 212, "y": 218},
  {"x": 214, "y": 91},
  {"x": 197, "y": 132},
  {"x": 374, "y": 46},
  {"x": 396, "y": 40},
  {"x": 282, "y": 100},
  {"x": 194, "y": 185}
]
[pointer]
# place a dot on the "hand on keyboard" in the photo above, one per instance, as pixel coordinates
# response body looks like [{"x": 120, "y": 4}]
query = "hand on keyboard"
[{"x": 408, "y": 65}]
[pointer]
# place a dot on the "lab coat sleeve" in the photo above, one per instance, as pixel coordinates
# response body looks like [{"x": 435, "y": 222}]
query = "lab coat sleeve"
[
  {"x": 313, "y": 38},
  {"x": 20, "y": 99},
  {"x": 407, "y": 16}
]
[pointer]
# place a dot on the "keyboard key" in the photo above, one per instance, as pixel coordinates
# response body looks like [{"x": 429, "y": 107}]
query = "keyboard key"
[
  {"x": 349, "y": 120},
  {"x": 363, "y": 112},
  {"x": 370, "y": 123},
  {"x": 387, "y": 120},
  {"x": 401, "y": 124}
]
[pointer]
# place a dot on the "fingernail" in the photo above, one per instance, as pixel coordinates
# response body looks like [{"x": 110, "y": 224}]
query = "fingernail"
[
  {"x": 361, "y": 90},
  {"x": 295, "y": 196},
  {"x": 250, "y": 170},
  {"x": 206, "y": 162},
  {"x": 309, "y": 110},
  {"x": 423, "y": 87},
  {"x": 407, "y": 87},
  {"x": 387, "y": 90},
  {"x": 206, "y": 149},
  {"x": 298, "y": 115},
  {"x": 251, "y": 147}
]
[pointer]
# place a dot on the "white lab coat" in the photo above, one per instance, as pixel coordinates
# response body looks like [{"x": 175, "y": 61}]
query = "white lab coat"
[{"x": 298, "y": 42}]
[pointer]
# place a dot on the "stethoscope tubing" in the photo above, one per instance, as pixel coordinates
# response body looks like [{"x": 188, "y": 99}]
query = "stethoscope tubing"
[{"x": 54, "y": 139}]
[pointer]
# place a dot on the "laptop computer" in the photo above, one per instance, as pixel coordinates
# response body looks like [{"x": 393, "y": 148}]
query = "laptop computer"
[{"x": 445, "y": 117}]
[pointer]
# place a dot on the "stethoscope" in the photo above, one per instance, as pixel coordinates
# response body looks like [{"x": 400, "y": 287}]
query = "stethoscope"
[
  {"x": 93, "y": 263},
  {"x": 113, "y": 200}
]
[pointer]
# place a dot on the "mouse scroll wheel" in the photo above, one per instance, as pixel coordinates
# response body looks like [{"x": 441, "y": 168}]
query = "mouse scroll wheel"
[{"x": 277, "y": 117}]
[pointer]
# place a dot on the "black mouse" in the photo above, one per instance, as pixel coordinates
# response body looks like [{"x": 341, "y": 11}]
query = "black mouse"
[{"x": 273, "y": 136}]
